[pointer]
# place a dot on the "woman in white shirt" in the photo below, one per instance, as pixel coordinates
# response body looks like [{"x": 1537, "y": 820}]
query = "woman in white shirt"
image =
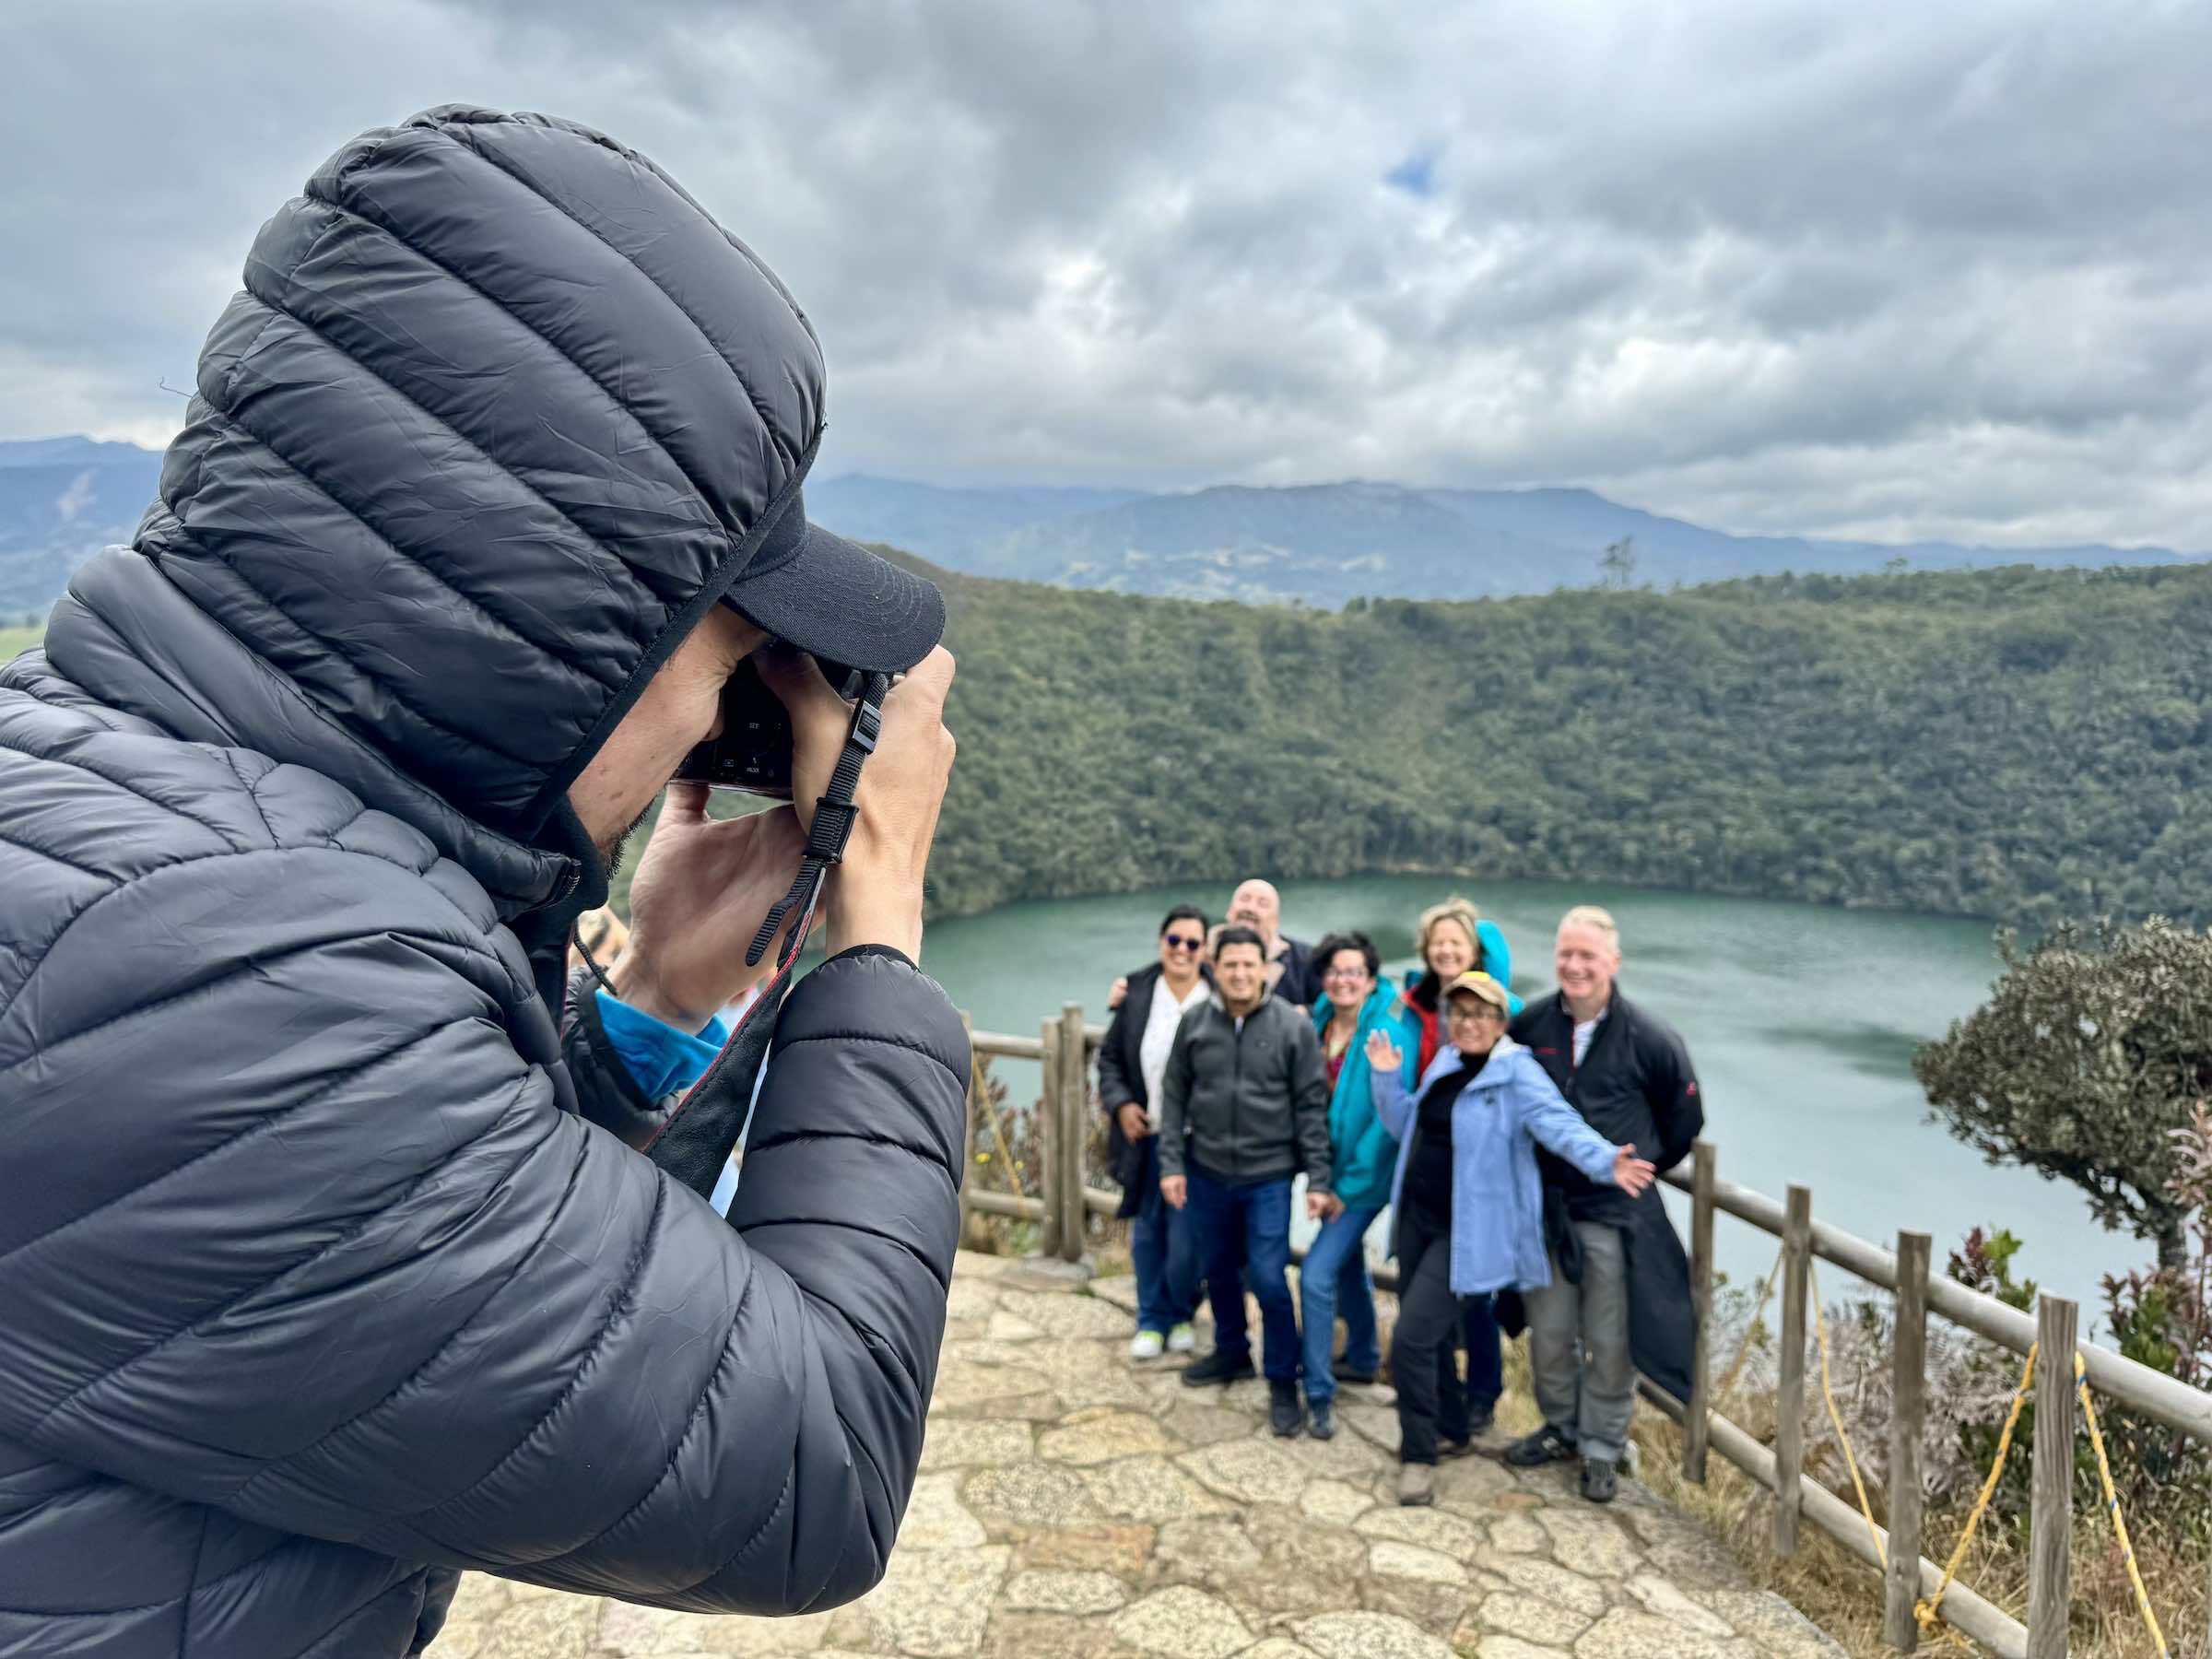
[{"x": 1131, "y": 1060}]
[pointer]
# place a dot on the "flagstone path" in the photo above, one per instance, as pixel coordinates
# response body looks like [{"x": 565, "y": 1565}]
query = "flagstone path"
[{"x": 1072, "y": 1505}]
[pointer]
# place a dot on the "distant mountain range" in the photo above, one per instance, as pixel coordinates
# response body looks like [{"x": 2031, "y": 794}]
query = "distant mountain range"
[
  {"x": 1316, "y": 544},
  {"x": 60, "y": 500},
  {"x": 1323, "y": 543}
]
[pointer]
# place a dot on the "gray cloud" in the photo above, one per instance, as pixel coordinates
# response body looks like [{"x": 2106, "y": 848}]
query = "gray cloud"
[{"x": 1906, "y": 271}]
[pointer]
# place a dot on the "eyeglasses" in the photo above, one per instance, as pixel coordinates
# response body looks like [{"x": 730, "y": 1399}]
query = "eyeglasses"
[
  {"x": 1343, "y": 975},
  {"x": 1184, "y": 941},
  {"x": 1472, "y": 1013}
]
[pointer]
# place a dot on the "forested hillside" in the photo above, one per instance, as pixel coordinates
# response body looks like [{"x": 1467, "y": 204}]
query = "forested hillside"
[{"x": 2016, "y": 744}]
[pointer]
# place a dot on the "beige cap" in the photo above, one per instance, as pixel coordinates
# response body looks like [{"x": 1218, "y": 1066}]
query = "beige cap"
[{"x": 1482, "y": 985}]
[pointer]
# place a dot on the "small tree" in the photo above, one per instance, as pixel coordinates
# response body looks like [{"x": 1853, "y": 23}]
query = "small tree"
[
  {"x": 2094, "y": 1047},
  {"x": 1618, "y": 564}
]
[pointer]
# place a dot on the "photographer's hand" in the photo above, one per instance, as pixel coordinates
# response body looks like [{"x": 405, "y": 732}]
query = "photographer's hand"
[
  {"x": 875, "y": 896},
  {"x": 699, "y": 893}
]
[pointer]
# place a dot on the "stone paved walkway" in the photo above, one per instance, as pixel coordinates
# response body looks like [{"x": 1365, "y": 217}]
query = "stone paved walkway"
[{"x": 1072, "y": 1505}]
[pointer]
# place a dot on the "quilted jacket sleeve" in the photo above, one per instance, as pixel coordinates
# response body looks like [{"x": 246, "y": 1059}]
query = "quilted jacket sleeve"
[{"x": 319, "y": 1248}]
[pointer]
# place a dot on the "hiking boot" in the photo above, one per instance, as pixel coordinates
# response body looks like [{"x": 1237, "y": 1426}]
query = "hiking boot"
[
  {"x": 1480, "y": 1420},
  {"x": 1351, "y": 1373},
  {"x": 1181, "y": 1339},
  {"x": 1601, "y": 1479},
  {"x": 1546, "y": 1445},
  {"x": 1447, "y": 1448},
  {"x": 1286, "y": 1410},
  {"x": 1147, "y": 1344},
  {"x": 1217, "y": 1367},
  {"x": 1417, "y": 1483},
  {"x": 1321, "y": 1420}
]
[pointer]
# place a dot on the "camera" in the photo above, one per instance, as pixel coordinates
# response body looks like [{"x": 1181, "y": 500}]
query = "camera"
[{"x": 753, "y": 752}]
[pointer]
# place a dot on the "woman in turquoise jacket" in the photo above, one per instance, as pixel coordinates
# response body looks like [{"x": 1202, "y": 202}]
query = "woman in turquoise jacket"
[
  {"x": 1353, "y": 1005},
  {"x": 1468, "y": 1201}
]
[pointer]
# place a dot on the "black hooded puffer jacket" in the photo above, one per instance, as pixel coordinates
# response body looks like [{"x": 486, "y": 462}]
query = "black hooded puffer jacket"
[{"x": 316, "y": 1280}]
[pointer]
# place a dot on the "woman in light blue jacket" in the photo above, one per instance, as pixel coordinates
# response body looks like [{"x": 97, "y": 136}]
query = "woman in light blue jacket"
[{"x": 1468, "y": 1201}]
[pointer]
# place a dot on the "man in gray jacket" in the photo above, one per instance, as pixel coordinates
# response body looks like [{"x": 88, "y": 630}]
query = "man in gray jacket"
[
  {"x": 1244, "y": 1108},
  {"x": 340, "y": 1248}
]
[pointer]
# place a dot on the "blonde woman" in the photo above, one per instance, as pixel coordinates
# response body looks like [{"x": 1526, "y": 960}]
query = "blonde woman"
[{"x": 1453, "y": 939}]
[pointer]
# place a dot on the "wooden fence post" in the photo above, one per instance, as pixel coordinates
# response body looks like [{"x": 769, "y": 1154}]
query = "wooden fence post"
[
  {"x": 1789, "y": 1394},
  {"x": 1695, "y": 1427},
  {"x": 1045, "y": 1126},
  {"x": 2051, "y": 1503},
  {"x": 1909, "y": 1391},
  {"x": 1075, "y": 1131}
]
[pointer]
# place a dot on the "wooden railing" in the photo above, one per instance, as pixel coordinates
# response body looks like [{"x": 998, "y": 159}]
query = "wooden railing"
[
  {"x": 1063, "y": 1127},
  {"x": 1064, "y": 1201},
  {"x": 1908, "y": 1575}
]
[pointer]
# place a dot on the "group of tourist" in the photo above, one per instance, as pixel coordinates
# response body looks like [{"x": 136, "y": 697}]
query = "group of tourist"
[{"x": 1514, "y": 1148}]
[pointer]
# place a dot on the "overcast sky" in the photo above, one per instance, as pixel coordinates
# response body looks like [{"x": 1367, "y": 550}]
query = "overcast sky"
[{"x": 1888, "y": 270}]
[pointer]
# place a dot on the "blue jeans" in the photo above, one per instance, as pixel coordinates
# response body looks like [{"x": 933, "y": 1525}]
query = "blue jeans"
[
  {"x": 1257, "y": 1216},
  {"x": 1334, "y": 1281},
  {"x": 1486, "y": 1363},
  {"x": 1160, "y": 1248}
]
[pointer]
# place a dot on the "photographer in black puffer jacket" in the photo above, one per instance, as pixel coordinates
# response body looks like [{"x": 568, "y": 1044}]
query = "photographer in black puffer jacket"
[{"x": 338, "y": 1248}]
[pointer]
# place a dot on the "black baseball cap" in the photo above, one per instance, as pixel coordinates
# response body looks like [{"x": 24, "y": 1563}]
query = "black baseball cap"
[{"x": 835, "y": 599}]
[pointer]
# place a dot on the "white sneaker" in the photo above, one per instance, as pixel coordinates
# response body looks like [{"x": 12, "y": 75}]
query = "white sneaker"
[
  {"x": 1182, "y": 1340},
  {"x": 1146, "y": 1345}
]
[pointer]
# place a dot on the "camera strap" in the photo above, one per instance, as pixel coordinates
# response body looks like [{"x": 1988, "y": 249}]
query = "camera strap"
[
  {"x": 693, "y": 1142},
  {"x": 834, "y": 816}
]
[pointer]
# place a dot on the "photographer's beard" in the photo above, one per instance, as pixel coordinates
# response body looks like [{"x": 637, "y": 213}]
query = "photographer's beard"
[{"x": 611, "y": 852}]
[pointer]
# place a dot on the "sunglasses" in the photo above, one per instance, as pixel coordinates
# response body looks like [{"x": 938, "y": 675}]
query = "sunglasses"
[{"x": 1184, "y": 941}]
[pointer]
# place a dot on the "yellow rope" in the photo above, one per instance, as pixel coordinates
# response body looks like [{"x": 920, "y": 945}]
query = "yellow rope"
[
  {"x": 2112, "y": 1504},
  {"x": 1926, "y": 1611},
  {"x": 1874, "y": 1533},
  {"x": 1743, "y": 1350}
]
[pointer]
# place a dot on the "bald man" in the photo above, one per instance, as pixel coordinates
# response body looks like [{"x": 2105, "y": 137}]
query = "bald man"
[{"x": 1256, "y": 905}]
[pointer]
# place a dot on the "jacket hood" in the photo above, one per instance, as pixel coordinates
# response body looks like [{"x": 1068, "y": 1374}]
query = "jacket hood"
[{"x": 500, "y": 413}]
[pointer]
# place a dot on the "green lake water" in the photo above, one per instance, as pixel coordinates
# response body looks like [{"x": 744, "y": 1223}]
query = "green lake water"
[{"x": 1801, "y": 1019}]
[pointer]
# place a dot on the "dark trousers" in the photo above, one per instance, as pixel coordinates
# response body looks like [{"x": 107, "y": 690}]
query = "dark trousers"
[
  {"x": 1485, "y": 1352},
  {"x": 1423, "y": 1358},
  {"x": 1160, "y": 1249},
  {"x": 1247, "y": 1226}
]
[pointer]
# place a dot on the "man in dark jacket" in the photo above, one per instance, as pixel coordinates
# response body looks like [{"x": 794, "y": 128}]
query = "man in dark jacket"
[
  {"x": 1132, "y": 1064},
  {"x": 1244, "y": 1107},
  {"x": 1619, "y": 1293},
  {"x": 322, "y": 1276}
]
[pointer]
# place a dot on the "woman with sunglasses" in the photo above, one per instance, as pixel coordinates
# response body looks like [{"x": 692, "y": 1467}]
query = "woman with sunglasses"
[
  {"x": 1132, "y": 1061},
  {"x": 1353, "y": 1006}
]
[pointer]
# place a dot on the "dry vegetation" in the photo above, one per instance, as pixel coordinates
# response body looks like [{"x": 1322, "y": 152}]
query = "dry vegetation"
[{"x": 1843, "y": 1596}]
